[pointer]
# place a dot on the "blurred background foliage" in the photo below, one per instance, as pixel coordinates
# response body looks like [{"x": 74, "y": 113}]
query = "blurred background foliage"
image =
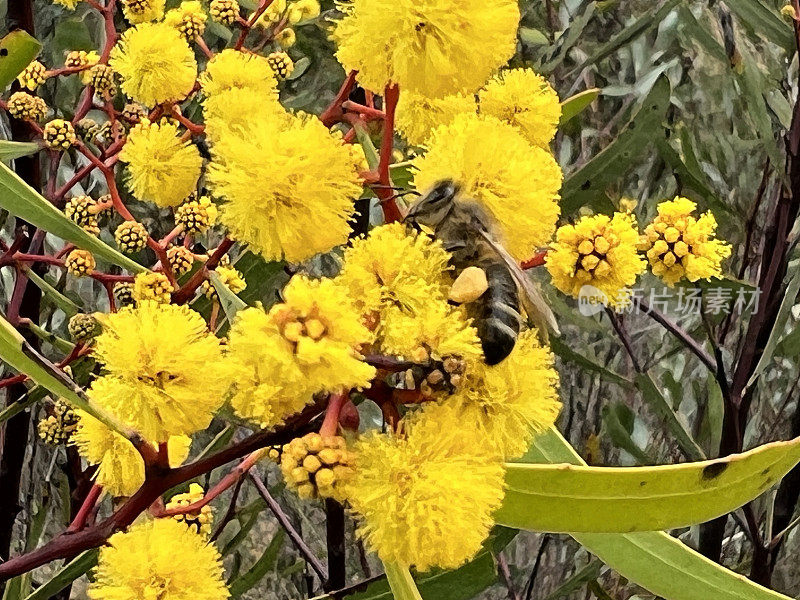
[{"x": 696, "y": 97}]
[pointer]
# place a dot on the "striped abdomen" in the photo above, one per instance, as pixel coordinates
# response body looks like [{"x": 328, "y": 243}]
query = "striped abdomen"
[{"x": 499, "y": 321}]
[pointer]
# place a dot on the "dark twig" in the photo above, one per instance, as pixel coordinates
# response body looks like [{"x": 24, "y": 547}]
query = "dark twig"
[{"x": 294, "y": 535}]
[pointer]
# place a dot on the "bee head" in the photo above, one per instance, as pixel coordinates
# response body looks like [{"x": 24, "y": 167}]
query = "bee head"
[{"x": 432, "y": 208}]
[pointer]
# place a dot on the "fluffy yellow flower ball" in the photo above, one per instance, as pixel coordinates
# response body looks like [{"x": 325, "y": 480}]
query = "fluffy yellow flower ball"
[
  {"x": 120, "y": 468},
  {"x": 394, "y": 265},
  {"x": 425, "y": 500},
  {"x": 155, "y": 63},
  {"x": 524, "y": 99},
  {"x": 231, "y": 69},
  {"x": 418, "y": 115},
  {"x": 600, "y": 251},
  {"x": 156, "y": 358},
  {"x": 304, "y": 345},
  {"x": 237, "y": 109},
  {"x": 432, "y": 47},
  {"x": 495, "y": 165},
  {"x": 679, "y": 245},
  {"x": 161, "y": 559},
  {"x": 400, "y": 281},
  {"x": 505, "y": 404},
  {"x": 162, "y": 168},
  {"x": 289, "y": 191}
]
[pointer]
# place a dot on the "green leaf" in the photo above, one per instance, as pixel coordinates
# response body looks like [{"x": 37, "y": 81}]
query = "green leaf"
[
  {"x": 653, "y": 396},
  {"x": 66, "y": 575},
  {"x": 760, "y": 20},
  {"x": 564, "y": 351},
  {"x": 588, "y": 573},
  {"x": 21, "y": 357},
  {"x": 17, "y": 50},
  {"x": 60, "y": 300},
  {"x": 654, "y": 560},
  {"x": 575, "y": 105},
  {"x": 10, "y": 150},
  {"x": 231, "y": 303},
  {"x": 22, "y": 201},
  {"x": 618, "y": 425},
  {"x": 650, "y": 20},
  {"x": 31, "y": 398},
  {"x": 566, "y": 498},
  {"x": 779, "y": 326},
  {"x": 401, "y": 582},
  {"x": 588, "y": 185},
  {"x": 463, "y": 583},
  {"x": 262, "y": 566},
  {"x": 300, "y": 67}
]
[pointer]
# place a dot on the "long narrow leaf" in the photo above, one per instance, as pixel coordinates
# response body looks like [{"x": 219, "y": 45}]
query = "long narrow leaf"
[
  {"x": 571, "y": 499},
  {"x": 22, "y": 201},
  {"x": 654, "y": 560},
  {"x": 15, "y": 351}
]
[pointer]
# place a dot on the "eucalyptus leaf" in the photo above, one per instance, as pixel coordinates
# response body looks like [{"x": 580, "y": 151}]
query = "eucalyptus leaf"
[{"x": 17, "y": 50}]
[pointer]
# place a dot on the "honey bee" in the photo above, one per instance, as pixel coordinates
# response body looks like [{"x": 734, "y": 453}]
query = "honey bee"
[{"x": 469, "y": 233}]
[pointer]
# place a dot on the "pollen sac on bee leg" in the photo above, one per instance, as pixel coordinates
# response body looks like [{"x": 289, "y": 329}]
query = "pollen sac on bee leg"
[{"x": 470, "y": 285}]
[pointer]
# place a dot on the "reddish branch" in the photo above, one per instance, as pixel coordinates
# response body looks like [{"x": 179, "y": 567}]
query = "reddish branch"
[
  {"x": 157, "y": 481},
  {"x": 391, "y": 212}
]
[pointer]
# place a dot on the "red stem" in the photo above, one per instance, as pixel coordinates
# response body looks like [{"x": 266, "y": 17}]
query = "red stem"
[
  {"x": 331, "y": 423},
  {"x": 333, "y": 113},
  {"x": 391, "y": 212},
  {"x": 79, "y": 522}
]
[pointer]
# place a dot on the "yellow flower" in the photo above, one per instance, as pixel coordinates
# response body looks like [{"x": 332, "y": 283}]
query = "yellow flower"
[
  {"x": 433, "y": 47},
  {"x": 142, "y": 11},
  {"x": 679, "y": 245},
  {"x": 224, "y": 11},
  {"x": 305, "y": 9},
  {"x": 196, "y": 215},
  {"x": 162, "y": 168},
  {"x": 232, "y": 69},
  {"x": 198, "y": 521},
  {"x": 22, "y": 105},
  {"x": 68, "y": 4},
  {"x": 506, "y": 404},
  {"x": 400, "y": 280},
  {"x": 524, "y": 99},
  {"x": 155, "y": 63},
  {"x": 418, "y": 115},
  {"x": 189, "y": 19},
  {"x": 304, "y": 345},
  {"x": 272, "y": 14},
  {"x": 230, "y": 277},
  {"x": 158, "y": 560},
  {"x": 120, "y": 468},
  {"x": 237, "y": 109},
  {"x": 316, "y": 466},
  {"x": 163, "y": 370},
  {"x": 32, "y": 76},
  {"x": 289, "y": 190},
  {"x": 438, "y": 328},
  {"x": 426, "y": 499},
  {"x": 395, "y": 266},
  {"x": 517, "y": 183},
  {"x": 152, "y": 286},
  {"x": 80, "y": 263},
  {"x": 598, "y": 251}
]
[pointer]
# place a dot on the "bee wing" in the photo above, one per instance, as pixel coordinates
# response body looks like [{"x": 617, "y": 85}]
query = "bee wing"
[{"x": 531, "y": 298}]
